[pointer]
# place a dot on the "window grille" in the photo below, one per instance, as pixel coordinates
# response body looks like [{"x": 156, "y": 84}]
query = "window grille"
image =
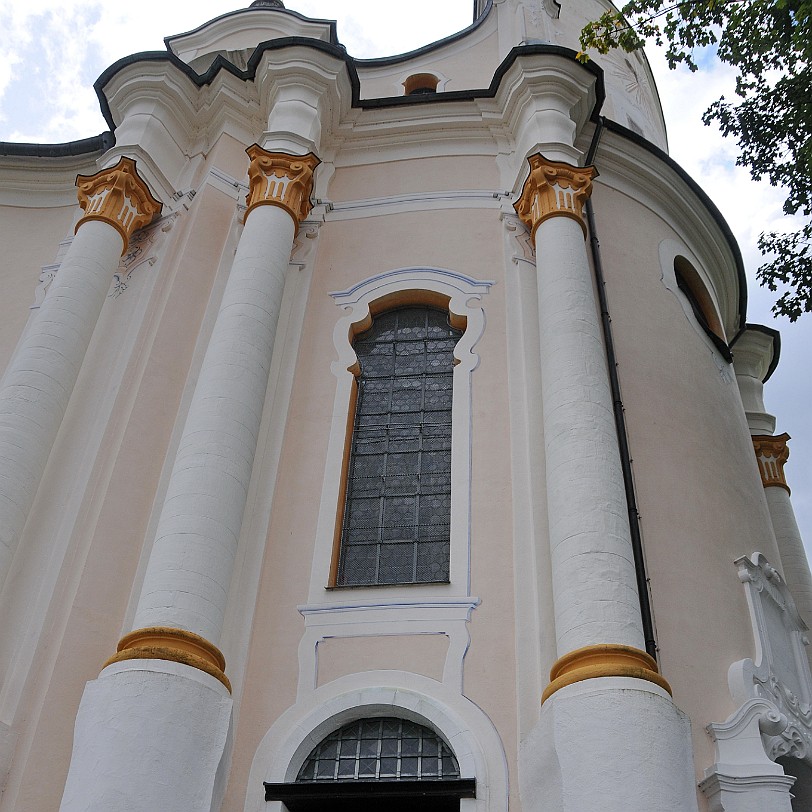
[
  {"x": 397, "y": 512},
  {"x": 388, "y": 749}
]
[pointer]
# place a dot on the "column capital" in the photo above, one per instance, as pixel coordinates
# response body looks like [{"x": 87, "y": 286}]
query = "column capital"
[
  {"x": 554, "y": 189},
  {"x": 279, "y": 179},
  {"x": 772, "y": 453},
  {"x": 119, "y": 197}
]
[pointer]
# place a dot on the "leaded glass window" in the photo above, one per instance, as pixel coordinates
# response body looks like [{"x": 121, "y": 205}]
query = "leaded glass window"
[
  {"x": 397, "y": 512},
  {"x": 387, "y": 749}
]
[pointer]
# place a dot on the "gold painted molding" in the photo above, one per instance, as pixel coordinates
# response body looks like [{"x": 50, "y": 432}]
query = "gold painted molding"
[
  {"x": 772, "y": 453},
  {"x": 554, "y": 189},
  {"x": 119, "y": 197},
  {"x": 279, "y": 179},
  {"x": 177, "y": 645},
  {"x": 591, "y": 662}
]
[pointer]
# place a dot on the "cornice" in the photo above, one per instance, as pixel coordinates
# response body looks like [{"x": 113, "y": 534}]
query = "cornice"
[
  {"x": 763, "y": 343},
  {"x": 457, "y": 114},
  {"x": 43, "y": 181}
]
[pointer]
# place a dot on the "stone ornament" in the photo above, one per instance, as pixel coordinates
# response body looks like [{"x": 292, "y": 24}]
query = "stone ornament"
[
  {"x": 119, "y": 197},
  {"x": 772, "y": 453},
  {"x": 279, "y": 179},
  {"x": 554, "y": 189}
]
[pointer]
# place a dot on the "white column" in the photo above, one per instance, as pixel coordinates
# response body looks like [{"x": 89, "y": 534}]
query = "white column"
[
  {"x": 772, "y": 453},
  {"x": 594, "y": 581},
  {"x": 152, "y": 730},
  {"x": 755, "y": 355},
  {"x": 40, "y": 379},
  {"x": 589, "y": 750},
  {"x": 189, "y": 570}
]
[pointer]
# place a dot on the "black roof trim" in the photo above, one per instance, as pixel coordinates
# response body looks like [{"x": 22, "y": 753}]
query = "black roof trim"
[
  {"x": 541, "y": 49},
  {"x": 432, "y": 46},
  {"x": 330, "y": 23},
  {"x": 630, "y": 135},
  {"x": 85, "y": 146},
  {"x": 776, "y": 337},
  {"x": 220, "y": 63}
]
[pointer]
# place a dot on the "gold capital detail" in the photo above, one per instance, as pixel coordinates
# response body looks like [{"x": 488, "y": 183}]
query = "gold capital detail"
[
  {"x": 279, "y": 179},
  {"x": 554, "y": 189},
  {"x": 772, "y": 453},
  {"x": 119, "y": 197},
  {"x": 177, "y": 645},
  {"x": 591, "y": 662}
]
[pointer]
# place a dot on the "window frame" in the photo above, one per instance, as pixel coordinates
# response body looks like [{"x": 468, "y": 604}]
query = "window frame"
[
  {"x": 456, "y": 323},
  {"x": 461, "y": 296}
]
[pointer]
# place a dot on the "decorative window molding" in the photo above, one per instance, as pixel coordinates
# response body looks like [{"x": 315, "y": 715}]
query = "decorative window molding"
[
  {"x": 460, "y": 294},
  {"x": 468, "y": 731}
]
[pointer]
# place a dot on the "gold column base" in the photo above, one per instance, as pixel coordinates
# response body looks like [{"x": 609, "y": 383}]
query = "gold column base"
[
  {"x": 591, "y": 662},
  {"x": 177, "y": 645}
]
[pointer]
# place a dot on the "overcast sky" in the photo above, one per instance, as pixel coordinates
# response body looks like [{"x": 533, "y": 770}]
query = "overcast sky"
[{"x": 52, "y": 52}]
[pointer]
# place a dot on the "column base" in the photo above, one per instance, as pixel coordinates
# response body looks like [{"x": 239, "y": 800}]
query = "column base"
[
  {"x": 150, "y": 735},
  {"x": 591, "y": 662},
  {"x": 615, "y": 744}
]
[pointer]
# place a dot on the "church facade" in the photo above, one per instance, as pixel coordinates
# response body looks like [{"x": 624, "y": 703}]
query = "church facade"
[{"x": 388, "y": 431}]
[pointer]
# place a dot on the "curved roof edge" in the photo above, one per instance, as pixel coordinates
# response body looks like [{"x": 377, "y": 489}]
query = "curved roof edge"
[
  {"x": 338, "y": 52},
  {"x": 330, "y": 23},
  {"x": 709, "y": 205},
  {"x": 84, "y": 146},
  {"x": 432, "y": 46}
]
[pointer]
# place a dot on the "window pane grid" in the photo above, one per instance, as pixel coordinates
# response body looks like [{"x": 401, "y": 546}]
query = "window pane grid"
[
  {"x": 380, "y": 749},
  {"x": 398, "y": 499}
]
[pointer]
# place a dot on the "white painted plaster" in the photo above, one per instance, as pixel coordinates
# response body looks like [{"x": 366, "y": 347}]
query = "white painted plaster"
[
  {"x": 794, "y": 562},
  {"x": 189, "y": 571},
  {"x": 150, "y": 735},
  {"x": 594, "y": 584},
  {"x": 612, "y": 744},
  {"x": 467, "y": 729},
  {"x": 43, "y": 372},
  {"x": 535, "y": 644},
  {"x": 752, "y": 356}
]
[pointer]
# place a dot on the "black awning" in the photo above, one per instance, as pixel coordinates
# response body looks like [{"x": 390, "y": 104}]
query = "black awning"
[{"x": 441, "y": 795}]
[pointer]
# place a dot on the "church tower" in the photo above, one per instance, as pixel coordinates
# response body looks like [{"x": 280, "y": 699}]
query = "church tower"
[{"x": 389, "y": 431}]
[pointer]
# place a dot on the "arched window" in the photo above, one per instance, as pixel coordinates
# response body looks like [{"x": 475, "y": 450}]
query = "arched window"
[
  {"x": 694, "y": 290},
  {"x": 420, "y": 83},
  {"x": 385, "y": 748},
  {"x": 385, "y": 760},
  {"x": 395, "y": 523}
]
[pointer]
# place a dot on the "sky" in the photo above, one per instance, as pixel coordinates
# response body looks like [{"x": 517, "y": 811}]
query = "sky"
[{"x": 52, "y": 51}]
